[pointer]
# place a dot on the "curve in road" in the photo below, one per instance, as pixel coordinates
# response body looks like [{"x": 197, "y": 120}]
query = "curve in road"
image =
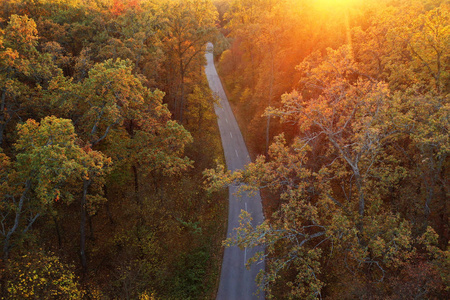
[{"x": 236, "y": 281}]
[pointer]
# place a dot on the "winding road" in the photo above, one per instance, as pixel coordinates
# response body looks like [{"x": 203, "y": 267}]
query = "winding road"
[{"x": 236, "y": 281}]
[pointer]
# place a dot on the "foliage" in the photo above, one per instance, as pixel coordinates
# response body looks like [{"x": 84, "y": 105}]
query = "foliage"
[
  {"x": 40, "y": 275},
  {"x": 190, "y": 25},
  {"x": 358, "y": 178},
  {"x": 90, "y": 150},
  {"x": 47, "y": 161}
]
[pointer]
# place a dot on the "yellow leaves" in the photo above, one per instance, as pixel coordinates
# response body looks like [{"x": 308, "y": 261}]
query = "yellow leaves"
[
  {"x": 52, "y": 131},
  {"x": 111, "y": 95},
  {"x": 146, "y": 296},
  {"x": 431, "y": 123},
  {"x": 359, "y": 146},
  {"x": 216, "y": 179},
  {"x": 407, "y": 44},
  {"x": 159, "y": 145},
  {"x": 40, "y": 276},
  {"x": 389, "y": 239},
  {"x": 22, "y": 30},
  {"x": 429, "y": 238},
  {"x": 429, "y": 44},
  {"x": 200, "y": 113},
  {"x": 48, "y": 156}
]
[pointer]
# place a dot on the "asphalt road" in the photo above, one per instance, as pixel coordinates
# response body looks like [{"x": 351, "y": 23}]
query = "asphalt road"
[{"x": 236, "y": 281}]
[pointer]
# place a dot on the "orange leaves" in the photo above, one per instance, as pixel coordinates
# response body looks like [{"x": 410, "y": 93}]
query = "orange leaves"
[
  {"x": 120, "y": 7},
  {"x": 117, "y": 8},
  {"x": 9, "y": 56},
  {"x": 22, "y": 32}
]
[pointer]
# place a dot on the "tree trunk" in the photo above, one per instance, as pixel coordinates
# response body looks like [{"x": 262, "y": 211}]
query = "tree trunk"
[
  {"x": 91, "y": 228},
  {"x": 136, "y": 184},
  {"x": 58, "y": 232},
  {"x": 361, "y": 201},
  {"x": 6, "y": 244},
  {"x": 361, "y": 208},
  {"x": 426, "y": 209},
  {"x": 2, "y": 116},
  {"x": 270, "y": 100},
  {"x": 181, "y": 104},
  {"x": 108, "y": 209},
  {"x": 86, "y": 184}
]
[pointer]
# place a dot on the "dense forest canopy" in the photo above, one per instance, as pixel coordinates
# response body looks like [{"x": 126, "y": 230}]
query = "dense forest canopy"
[
  {"x": 103, "y": 107},
  {"x": 348, "y": 104},
  {"x": 107, "y": 123}
]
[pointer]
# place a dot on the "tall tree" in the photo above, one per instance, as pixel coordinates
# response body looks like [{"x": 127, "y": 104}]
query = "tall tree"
[
  {"x": 190, "y": 25},
  {"x": 48, "y": 159},
  {"x": 23, "y": 70}
]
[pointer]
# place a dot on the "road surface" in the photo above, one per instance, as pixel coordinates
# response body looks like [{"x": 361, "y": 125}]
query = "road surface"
[{"x": 236, "y": 282}]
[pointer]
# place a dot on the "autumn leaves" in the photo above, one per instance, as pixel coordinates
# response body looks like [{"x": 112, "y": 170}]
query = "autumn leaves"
[
  {"x": 358, "y": 175},
  {"x": 84, "y": 134}
]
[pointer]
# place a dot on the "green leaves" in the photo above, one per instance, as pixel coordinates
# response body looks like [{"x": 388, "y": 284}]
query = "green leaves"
[
  {"x": 160, "y": 147},
  {"x": 48, "y": 164},
  {"x": 48, "y": 155},
  {"x": 108, "y": 96}
]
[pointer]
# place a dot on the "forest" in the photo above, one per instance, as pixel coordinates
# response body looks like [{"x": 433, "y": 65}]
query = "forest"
[
  {"x": 101, "y": 160},
  {"x": 346, "y": 111},
  {"x": 112, "y": 177}
]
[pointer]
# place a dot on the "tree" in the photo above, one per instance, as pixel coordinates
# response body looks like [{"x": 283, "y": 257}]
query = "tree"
[
  {"x": 337, "y": 229},
  {"x": 407, "y": 50},
  {"x": 429, "y": 39},
  {"x": 95, "y": 166},
  {"x": 113, "y": 99},
  {"x": 17, "y": 49},
  {"x": 97, "y": 64},
  {"x": 189, "y": 26},
  {"x": 47, "y": 160},
  {"x": 269, "y": 38}
]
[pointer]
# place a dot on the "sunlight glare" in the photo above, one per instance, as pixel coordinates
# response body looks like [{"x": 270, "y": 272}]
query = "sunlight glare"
[
  {"x": 331, "y": 3},
  {"x": 335, "y": 4}
]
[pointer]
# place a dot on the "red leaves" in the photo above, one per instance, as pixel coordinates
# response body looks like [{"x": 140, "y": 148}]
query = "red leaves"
[{"x": 119, "y": 7}]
